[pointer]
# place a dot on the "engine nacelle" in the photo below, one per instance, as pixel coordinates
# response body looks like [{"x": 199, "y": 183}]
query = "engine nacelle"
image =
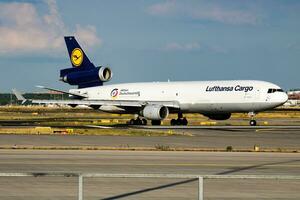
[
  {"x": 105, "y": 74},
  {"x": 218, "y": 116},
  {"x": 78, "y": 77},
  {"x": 155, "y": 112}
]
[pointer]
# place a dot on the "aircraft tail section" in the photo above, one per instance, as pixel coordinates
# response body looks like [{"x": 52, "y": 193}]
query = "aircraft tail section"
[
  {"x": 77, "y": 56},
  {"x": 83, "y": 72}
]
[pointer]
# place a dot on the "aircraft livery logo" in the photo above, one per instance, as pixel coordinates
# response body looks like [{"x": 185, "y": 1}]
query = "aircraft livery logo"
[
  {"x": 237, "y": 88},
  {"x": 77, "y": 57},
  {"x": 114, "y": 92}
]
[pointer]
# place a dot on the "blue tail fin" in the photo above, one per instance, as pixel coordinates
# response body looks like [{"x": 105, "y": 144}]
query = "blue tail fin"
[
  {"x": 77, "y": 56},
  {"x": 83, "y": 73}
]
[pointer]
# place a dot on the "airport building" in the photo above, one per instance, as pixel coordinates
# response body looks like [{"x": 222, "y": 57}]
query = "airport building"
[{"x": 294, "y": 97}]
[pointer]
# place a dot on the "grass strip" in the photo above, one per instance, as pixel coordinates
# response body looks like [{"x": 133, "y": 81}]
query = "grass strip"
[{"x": 98, "y": 148}]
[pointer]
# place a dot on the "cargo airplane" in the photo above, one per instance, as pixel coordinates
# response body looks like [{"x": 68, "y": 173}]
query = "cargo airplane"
[{"x": 154, "y": 101}]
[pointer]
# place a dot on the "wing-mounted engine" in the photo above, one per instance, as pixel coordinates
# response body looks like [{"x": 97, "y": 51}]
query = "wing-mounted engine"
[
  {"x": 86, "y": 78},
  {"x": 218, "y": 116},
  {"x": 155, "y": 112}
]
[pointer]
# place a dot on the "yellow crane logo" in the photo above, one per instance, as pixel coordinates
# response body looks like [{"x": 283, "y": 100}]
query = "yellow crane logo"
[{"x": 77, "y": 57}]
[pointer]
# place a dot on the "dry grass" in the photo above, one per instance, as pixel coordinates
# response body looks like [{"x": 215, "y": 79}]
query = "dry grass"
[
  {"x": 75, "y": 117},
  {"x": 82, "y": 131}
]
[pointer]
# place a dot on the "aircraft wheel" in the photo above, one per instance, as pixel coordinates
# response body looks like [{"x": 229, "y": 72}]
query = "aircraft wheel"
[
  {"x": 138, "y": 121},
  {"x": 132, "y": 122},
  {"x": 180, "y": 120},
  {"x": 156, "y": 122},
  {"x": 252, "y": 122},
  {"x": 184, "y": 122},
  {"x": 173, "y": 122},
  {"x": 144, "y": 122}
]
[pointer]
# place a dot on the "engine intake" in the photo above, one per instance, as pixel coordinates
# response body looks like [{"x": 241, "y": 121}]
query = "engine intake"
[
  {"x": 105, "y": 74},
  {"x": 155, "y": 112}
]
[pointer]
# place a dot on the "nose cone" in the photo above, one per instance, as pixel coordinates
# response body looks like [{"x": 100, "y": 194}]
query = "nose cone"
[
  {"x": 284, "y": 97},
  {"x": 280, "y": 98}
]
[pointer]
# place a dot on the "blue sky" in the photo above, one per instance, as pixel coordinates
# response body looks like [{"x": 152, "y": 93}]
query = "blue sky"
[{"x": 151, "y": 40}]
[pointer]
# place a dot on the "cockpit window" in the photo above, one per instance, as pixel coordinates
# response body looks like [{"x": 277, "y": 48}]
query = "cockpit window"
[{"x": 272, "y": 90}]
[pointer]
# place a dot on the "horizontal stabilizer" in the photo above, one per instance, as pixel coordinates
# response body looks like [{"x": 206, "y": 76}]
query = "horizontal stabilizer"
[{"x": 19, "y": 96}]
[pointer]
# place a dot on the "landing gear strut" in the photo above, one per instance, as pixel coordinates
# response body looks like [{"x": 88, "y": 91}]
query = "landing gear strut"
[
  {"x": 138, "y": 121},
  {"x": 179, "y": 121},
  {"x": 252, "y": 121}
]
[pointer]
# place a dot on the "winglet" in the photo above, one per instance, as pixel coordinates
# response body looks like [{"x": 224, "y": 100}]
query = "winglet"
[{"x": 19, "y": 96}]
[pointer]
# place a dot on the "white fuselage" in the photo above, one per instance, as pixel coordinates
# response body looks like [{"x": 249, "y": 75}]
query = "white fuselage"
[{"x": 196, "y": 96}]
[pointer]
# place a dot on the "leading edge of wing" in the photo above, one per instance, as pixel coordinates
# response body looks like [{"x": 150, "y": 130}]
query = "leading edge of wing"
[{"x": 121, "y": 103}]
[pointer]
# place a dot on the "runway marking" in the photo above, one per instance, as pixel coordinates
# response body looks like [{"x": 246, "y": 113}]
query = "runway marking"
[{"x": 102, "y": 127}]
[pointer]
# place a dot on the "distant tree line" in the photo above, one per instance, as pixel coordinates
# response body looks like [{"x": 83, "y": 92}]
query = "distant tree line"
[{"x": 9, "y": 98}]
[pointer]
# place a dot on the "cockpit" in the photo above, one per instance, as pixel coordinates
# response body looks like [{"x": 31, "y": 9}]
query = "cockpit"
[
  {"x": 272, "y": 90},
  {"x": 276, "y": 96}
]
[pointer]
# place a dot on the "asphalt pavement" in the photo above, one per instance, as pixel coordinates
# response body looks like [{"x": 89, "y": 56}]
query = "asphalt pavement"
[{"x": 222, "y": 163}]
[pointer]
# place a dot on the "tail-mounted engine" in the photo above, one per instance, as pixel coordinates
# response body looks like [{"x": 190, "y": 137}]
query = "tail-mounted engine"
[{"x": 86, "y": 78}]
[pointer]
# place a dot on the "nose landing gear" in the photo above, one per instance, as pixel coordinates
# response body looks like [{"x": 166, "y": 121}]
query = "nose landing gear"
[{"x": 252, "y": 121}]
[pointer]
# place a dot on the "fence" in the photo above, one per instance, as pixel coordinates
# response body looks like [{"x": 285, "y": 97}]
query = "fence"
[{"x": 200, "y": 178}]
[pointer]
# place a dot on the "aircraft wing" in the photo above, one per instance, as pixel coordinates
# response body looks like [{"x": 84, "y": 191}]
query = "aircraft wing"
[
  {"x": 120, "y": 103},
  {"x": 61, "y": 91},
  {"x": 75, "y": 102}
]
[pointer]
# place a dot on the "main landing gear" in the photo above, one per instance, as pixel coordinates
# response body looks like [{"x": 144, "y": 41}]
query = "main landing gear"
[
  {"x": 138, "y": 121},
  {"x": 179, "y": 121},
  {"x": 252, "y": 121},
  {"x": 142, "y": 121}
]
